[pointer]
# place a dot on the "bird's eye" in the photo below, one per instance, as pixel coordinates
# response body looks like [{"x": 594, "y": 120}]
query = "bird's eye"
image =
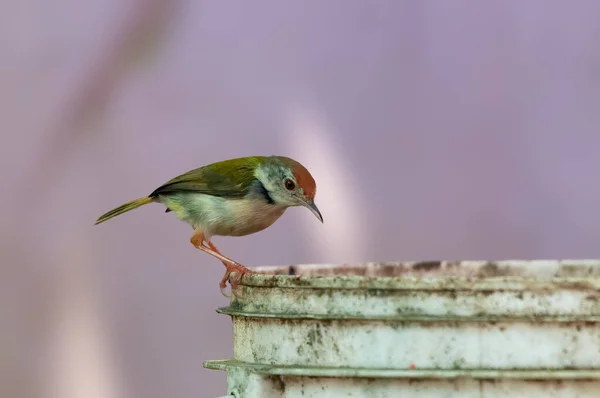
[{"x": 289, "y": 184}]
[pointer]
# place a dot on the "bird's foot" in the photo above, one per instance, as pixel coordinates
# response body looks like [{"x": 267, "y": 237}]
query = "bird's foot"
[
  {"x": 239, "y": 270},
  {"x": 198, "y": 240}
]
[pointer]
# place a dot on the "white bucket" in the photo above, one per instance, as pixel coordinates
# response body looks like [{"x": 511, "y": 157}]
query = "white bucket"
[{"x": 425, "y": 329}]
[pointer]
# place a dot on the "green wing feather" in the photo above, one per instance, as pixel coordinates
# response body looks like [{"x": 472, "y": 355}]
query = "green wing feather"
[{"x": 228, "y": 178}]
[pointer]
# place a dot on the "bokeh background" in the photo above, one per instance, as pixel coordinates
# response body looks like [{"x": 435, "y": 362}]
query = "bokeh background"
[{"x": 435, "y": 130}]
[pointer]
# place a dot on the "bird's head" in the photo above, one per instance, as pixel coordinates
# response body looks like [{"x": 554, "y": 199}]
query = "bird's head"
[{"x": 288, "y": 183}]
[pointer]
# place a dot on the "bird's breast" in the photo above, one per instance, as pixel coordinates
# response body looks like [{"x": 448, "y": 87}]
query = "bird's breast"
[{"x": 247, "y": 216}]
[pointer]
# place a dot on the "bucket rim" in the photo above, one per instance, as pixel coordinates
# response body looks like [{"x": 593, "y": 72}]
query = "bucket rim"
[{"x": 433, "y": 275}]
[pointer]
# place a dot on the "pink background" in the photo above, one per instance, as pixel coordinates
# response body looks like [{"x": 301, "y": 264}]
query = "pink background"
[{"x": 435, "y": 130}]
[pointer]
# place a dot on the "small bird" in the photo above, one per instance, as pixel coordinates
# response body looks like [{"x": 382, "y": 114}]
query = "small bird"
[{"x": 234, "y": 197}]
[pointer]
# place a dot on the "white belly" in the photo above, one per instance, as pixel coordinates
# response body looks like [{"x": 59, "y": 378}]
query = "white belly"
[{"x": 218, "y": 216}]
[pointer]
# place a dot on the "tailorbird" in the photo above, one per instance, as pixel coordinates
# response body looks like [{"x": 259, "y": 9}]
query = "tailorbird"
[{"x": 234, "y": 197}]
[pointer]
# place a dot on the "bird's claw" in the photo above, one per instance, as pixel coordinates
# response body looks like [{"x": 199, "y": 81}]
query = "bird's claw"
[
  {"x": 239, "y": 271},
  {"x": 223, "y": 291}
]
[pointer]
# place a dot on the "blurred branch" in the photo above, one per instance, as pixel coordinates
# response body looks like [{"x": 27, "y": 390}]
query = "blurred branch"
[{"x": 139, "y": 39}]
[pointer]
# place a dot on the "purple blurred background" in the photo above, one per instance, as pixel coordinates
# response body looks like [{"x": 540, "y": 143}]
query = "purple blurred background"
[{"x": 435, "y": 130}]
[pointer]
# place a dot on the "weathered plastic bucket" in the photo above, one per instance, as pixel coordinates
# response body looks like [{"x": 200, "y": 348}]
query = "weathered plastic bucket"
[{"x": 426, "y": 329}]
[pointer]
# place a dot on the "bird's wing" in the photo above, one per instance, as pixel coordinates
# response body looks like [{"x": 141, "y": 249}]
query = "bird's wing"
[{"x": 230, "y": 179}]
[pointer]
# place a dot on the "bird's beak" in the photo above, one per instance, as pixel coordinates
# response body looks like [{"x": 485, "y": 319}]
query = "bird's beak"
[{"x": 310, "y": 204}]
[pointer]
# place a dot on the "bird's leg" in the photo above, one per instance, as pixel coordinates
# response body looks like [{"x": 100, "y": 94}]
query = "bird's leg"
[
  {"x": 198, "y": 240},
  {"x": 239, "y": 268}
]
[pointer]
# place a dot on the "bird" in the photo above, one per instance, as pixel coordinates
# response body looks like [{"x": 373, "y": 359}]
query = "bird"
[{"x": 234, "y": 197}]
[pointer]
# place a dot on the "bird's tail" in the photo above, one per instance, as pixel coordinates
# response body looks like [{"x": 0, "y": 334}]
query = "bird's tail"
[{"x": 134, "y": 204}]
